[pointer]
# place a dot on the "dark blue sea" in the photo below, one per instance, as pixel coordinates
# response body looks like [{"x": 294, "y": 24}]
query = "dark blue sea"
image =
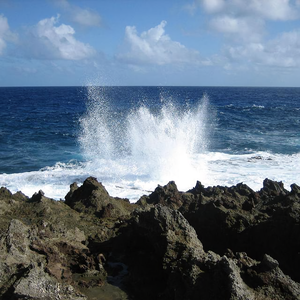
[{"x": 134, "y": 138}]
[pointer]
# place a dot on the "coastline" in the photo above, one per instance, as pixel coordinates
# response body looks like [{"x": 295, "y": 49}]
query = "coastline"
[{"x": 209, "y": 243}]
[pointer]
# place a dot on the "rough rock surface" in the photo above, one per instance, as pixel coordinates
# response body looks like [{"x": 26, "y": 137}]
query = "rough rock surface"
[
  {"x": 93, "y": 198},
  {"x": 206, "y": 243}
]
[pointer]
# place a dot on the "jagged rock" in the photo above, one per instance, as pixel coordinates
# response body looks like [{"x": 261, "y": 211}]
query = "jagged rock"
[
  {"x": 167, "y": 195},
  {"x": 9, "y": 201},
  {"x": 166, "y": 260},
  {"x": 270, "y": 262},
  {"x": 44, "y": 252},
  {"x": 243, "y": 220},
  {"x": 36, "y": 197},
  {"x": 295, "y": 189},
  {"x": 5, "y": 193},
  {"x": 93, "y": 198},
  {"x": 162, "y": 251},
  {"x": 238, "y": 289},
  {"x": 207, "y": 243},
  {"x": 273, "y": 188}
]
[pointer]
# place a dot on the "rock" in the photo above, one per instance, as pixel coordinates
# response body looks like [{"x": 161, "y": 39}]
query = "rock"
[
  {"x": 295, "y": 189},
  {"x": 241, "y": 219},
  {"x": 166, "y": 260},
  {"x": 93, "y": 198},
  {"x": 162, "y": 252},
  {"x": 206, "y": 243},
  {"x": 167, "y": 195},
  {"x": 270, "y": 262},
  {"x": 273, "y": 188},
  {"x": 36, "y": 284},
  {"x": 38, "y": 196},
  {"x": 43, "y": 252},
  {"x": 238, "y": 289},
  {"x": 5, "y": 193}
]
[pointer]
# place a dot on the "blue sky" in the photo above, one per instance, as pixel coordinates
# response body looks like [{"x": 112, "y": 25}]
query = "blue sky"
[{"x": 139, "y": 42}]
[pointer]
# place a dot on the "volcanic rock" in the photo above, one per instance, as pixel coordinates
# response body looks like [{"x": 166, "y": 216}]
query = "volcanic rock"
[
  {"x": 92, "y": 198},
  {"x": 206, "y": 243}
]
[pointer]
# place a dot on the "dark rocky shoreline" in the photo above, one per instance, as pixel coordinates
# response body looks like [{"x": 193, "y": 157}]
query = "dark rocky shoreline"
[{"x": 206, "y": 243}]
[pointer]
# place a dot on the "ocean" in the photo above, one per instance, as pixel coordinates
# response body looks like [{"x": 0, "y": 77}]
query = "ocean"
[{"x": 135, "y": 138}]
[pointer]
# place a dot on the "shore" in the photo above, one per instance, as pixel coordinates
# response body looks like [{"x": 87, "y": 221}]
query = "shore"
[{"x": 205, "y": 243}]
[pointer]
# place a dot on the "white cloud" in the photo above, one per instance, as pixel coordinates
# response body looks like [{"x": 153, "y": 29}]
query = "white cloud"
[
  {"x": 5, "y": 34},
  {"x": 273, "y": 9},
  {"x": 58, "y": 42},
  {"x": 213, "y": 6},
  {"x": 155, "y": 47},
  {"x": 266, "y": 9},
  {"x": 247, "y": 29},
  {"x": 86, "y": 17},
  {"x": 240, "y": 19},
  {"x": 282, "y": 52},
  {"x": 83, "y": 16},
  {"x": 243, "y": 24}
]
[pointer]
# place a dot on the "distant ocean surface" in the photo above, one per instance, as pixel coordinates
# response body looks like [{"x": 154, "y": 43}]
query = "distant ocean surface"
[{"x": 134, "y": 138}]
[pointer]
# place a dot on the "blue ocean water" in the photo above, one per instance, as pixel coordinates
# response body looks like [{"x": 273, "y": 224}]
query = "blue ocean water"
[{"x": 134, "y": 138}]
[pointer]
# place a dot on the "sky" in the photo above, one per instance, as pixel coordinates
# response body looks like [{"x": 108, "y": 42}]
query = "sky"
[{"x": 157, "y": 42}]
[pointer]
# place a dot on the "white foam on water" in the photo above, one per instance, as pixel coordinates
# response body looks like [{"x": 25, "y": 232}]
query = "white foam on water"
[
  {"x": 252, "y": 169},
  {"x": 122, "y": 179}
]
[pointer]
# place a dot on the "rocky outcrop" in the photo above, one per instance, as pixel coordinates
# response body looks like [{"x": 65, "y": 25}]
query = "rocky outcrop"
[
  {"x": 92, "y": 198},
  {"x": 241, "y": 219},
  {"x": 206, "y": 243},
  {"x": 45, "y": 250},
  {"x": 166, "y": 260}
]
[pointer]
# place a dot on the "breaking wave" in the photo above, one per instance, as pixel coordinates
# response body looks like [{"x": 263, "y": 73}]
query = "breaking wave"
[{"x": 149, "y": 145}]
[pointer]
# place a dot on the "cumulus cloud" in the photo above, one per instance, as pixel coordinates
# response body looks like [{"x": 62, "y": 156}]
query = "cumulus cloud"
[
  {"x": 246, "y": 19},
  {"x": 272, "y": 9},
  {"x": 267, "y": 9},
  {"x": 155, "y": 47},
  {"x": 243, "y": 24},
  {"x": 283, "y": 51},
  {"x": 239, "y": 29},
  {"x": 5, "y": 34},
  {"x": 82, "y": 16},
  {"x": 56, "y": 42}
]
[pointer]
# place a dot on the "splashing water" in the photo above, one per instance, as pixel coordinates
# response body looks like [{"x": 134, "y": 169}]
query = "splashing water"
[
  {"x": 95, "y": 137},
  {"x": 145, "y": 148},
  {"x": 164, "y": 143}
]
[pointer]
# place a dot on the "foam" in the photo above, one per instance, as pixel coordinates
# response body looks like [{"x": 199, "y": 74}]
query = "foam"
[{"x": 122, "y": 179}]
